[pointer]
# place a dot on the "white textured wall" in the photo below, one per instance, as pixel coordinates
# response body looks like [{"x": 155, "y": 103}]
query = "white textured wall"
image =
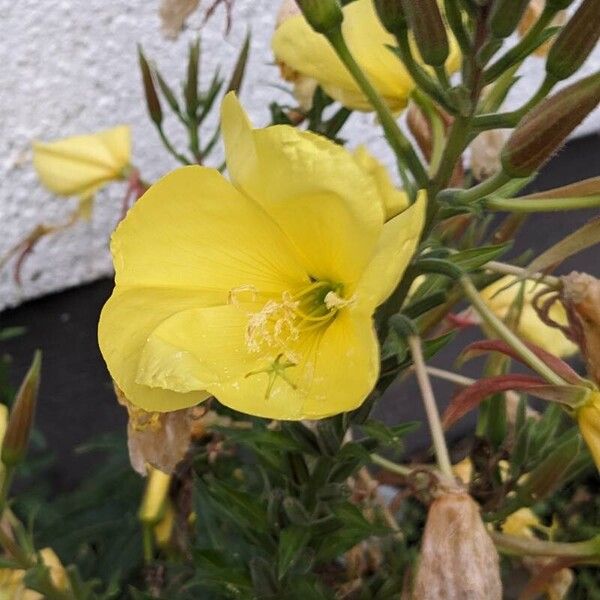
[{"x": 69, "y": 67}]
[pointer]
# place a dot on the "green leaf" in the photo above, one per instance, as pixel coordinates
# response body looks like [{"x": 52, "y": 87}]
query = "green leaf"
[
  {"x": 389, "y": 435},
  {"x": 237, "y": 76},
  {"x": 292, "y": 542},
  {"x": 475, "y": 258}
]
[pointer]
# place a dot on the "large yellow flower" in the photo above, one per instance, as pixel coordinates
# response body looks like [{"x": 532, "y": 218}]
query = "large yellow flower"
[
  {"x": 308, "y": 53},
  {"x": 260, "y": 291},
  {"x": 80, "y": 165},
  {"x": 501, "y": 295}
]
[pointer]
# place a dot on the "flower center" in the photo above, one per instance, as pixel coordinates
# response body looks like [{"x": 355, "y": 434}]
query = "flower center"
[{"x": 282, "y": 320}]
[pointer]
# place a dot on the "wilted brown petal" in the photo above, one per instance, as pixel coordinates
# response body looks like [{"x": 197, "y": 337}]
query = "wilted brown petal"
[
  {"x": 458, "y": 559},
  {"x": 485, "y": 153},
  {"x": 581, "y": 294},
  {"x": 173, "y": 14}
]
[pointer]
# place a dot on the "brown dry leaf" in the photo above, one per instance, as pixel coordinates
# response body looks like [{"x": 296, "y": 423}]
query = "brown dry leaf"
[
  {"x": 173, "y": 15},
  {"x": 581, "y": 296},
  {"x": 458, "y": 558}
]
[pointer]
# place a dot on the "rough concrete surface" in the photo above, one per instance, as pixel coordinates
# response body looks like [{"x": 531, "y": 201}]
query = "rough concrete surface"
[{"x": 70, "y": 67}]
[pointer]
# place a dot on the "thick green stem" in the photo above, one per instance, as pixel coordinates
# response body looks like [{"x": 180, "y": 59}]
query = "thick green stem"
[
  {"x": 391, "y": 466},
  {"x": 486, "y": 187},
  {"x": 535, "y": 205},
  {"x": 397, "y": 140},
  {"x": 433, "y": 415},
  {"x": 527, "y": 546},
  {"x": 504, "y": 333}
]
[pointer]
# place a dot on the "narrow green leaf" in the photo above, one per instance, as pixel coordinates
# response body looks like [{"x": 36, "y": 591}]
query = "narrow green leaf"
[{"x": 292, "y": 542}]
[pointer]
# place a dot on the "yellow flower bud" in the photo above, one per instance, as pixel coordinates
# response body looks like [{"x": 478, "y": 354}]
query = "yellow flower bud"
[
  {"x": 81, "y": 165},
  {"x": 153, "y": 504}
]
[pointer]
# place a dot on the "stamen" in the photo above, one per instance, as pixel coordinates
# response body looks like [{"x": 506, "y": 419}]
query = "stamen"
[{"x": 236, "y": 292}]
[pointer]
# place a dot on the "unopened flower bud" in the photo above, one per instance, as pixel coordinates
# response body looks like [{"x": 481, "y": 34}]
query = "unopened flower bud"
[
  {"x": 152, "y": 101},
  {"x": 428, "y": 28},
  {"x": 391, "y": 14},
  {"x": 458, "y": 558},
  {"x": 322, "y": 15},
  {"x": 576, "y": 41},
  {"x": 505, "y": 16},
  {"x": 542, "y": 131},
  {"x": 20, "y": 421},
  {"x": 154, "y": 502}
]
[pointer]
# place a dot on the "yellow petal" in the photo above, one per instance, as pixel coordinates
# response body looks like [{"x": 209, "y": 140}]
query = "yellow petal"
[
  {"x": 588, "y": 419},
  {"x": 194, "y": 230},
  {"x": 530, "y": 326},
  {"x": 395, "y": 249},
  {"x": 335, "y": 371},
  {"x": 127, "y": 320},
  {"x": 326, "y": 204},
  {"x": 393, "y": 200},
  {"x": 81, "y": 164}
]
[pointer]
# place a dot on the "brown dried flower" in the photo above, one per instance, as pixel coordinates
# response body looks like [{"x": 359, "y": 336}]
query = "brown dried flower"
[
  {"x": 581, "y": 296},
  {"x": 173, "y": 15},
  {"x": 458, "y": 558}
]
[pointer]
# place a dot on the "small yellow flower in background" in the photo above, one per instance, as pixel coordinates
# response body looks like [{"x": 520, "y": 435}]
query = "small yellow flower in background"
[
  {"x": 588, "y": 419},
  {"x": 530, "y": 327},
  {"x": 521, "y": 523},
  {"x": 305, "y": 52},
  {"x": 12, "y": 585},
  {"x": 81, "y": 165},
  {"x": 260, "y": 291}
]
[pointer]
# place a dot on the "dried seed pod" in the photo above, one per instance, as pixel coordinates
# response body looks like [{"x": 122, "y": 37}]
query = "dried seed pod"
[{"x": 458, "y": 558}]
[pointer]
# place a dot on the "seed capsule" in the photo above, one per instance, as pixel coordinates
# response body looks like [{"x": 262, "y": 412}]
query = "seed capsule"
[
  {"x": 541, "y": 132},
  {"x": 576, "y": 41},
  {"x": 428, "y": 28},
  {"x": 322, "y": 15},
  {"x": 505, "y": 17}
]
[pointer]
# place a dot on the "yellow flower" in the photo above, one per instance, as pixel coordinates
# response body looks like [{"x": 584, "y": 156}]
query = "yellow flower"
[
  {"x": 12, "y": 585},
  {"x": 304, "y": 51},
  {"x": 80, "y": 165},
  {"x": 521, "y": 522},
  {"x": 588, "y": 419},
  {"x": 260, "y": 291},
  {"x": 530, "y": 327}
]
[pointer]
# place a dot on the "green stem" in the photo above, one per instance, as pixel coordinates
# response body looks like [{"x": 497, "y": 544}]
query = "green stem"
[
  {"x": 504, "y": 333},
  {"x": 457, "y": 139},
  {"x": 167, "y": 144},
  {"x": 524, "y": 205},
  {"x": 391, "y": 466},
  {"x": 421, "y": 77},
  {"x": 397, "y": 140},
  {"x": 506, "y": 269},
  {"x": 148, "y": 544},
  {"x": 525, "y": 46},
  {"x": 485, "y": 188},
  {"x": 508, "y": 120},
  {"x": 433, "y": 415},
  {"x": 455, "y": 20},
  {"x": 526, "y": 546}
]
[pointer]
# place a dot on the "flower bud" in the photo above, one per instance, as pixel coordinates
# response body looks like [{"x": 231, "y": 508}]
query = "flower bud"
[
  {"x": 322, "y": 15},
  {"x": 391, "y": 14},
  {"x": 542, "y": 131},
  {"x": 152, "y": 101},
  {"x": 428, "y": 28},
  {"x": 505, "y": 16},
  {"x": 154, "y": 502},
  {"x": 20, "y": 421},
  {"x": 576, "y": 41},
  {"x": 458, "y": 558}
]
